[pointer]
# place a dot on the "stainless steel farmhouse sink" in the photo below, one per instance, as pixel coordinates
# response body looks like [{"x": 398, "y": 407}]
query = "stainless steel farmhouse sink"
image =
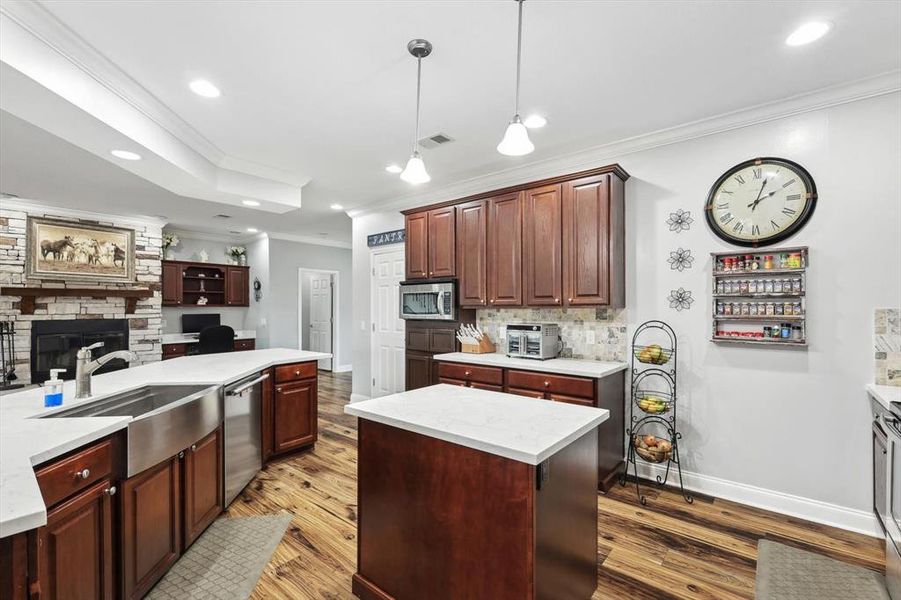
[{"x": 166, "y": 419}]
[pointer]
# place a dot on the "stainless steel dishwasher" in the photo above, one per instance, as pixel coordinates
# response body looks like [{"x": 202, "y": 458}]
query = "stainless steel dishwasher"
[{"x": 243, "y": 435}]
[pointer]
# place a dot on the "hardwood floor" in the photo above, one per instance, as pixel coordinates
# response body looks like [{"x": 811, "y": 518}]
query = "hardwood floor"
[{"x": 668, "y": 549}]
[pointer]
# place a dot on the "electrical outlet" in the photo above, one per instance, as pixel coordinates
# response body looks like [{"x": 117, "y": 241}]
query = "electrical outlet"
[{"x": 590, "y": 338}]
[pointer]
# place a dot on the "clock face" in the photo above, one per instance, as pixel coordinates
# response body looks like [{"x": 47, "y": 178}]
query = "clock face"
[{"x": 761, "y": 201}]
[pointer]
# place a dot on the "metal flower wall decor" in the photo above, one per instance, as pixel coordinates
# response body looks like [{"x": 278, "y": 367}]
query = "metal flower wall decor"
[
  {"x": 680, "y": 220},
  {"x": 680, "y": 259},
  {"x": 680, "y": 299}
]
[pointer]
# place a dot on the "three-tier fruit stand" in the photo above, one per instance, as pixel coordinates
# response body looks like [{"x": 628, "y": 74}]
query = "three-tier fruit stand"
[{"x": 653, "y": 432}]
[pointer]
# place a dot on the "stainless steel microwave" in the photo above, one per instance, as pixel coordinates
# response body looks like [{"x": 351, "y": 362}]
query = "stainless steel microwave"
[{"x": 428, "y": 301}]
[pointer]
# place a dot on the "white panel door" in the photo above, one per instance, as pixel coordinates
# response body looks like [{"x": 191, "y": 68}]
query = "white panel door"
[
  {"x": 321, "y": 317},
  {"x": 387, "y": 326}
]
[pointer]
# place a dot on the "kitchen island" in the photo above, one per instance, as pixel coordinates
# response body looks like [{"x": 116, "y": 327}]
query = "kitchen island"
[{"x": 467, "y": 493}]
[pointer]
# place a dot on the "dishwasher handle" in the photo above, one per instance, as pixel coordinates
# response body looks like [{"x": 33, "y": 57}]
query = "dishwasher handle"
[{"x": 238, "y": 390}]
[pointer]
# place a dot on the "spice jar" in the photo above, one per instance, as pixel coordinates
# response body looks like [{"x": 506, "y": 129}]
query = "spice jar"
[
  {"x": 786, "y": 331},
  {"x": 720, "y": 285},
  {"x": 741, "y": 263},
  {"x": 720, "y": 309},
  {"x": 768, "y": 261},
  {"x": 788, "y": 308},
  {"x": 796, "y": 285},
  {"x": 779, "y": 308},
  {"x": 796, "y": 308},
  {"x": 767, "y": 332},
  {"x": 770, "y": 309},
  {"x": 794, "y": 260},
  {"x": 745, "y": 308},
  {"x": 796, "y": 333},
  {"x": 768, "y": 286},
  {"x": 743, "y": 286},
  {"x": 777, "y": 286},
  {"x": 753, "y": 309},
  {"x": 727, "y": 308}
]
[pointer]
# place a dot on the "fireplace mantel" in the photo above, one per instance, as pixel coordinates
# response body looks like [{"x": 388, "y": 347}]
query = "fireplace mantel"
[{"x": 28, "y": 295}]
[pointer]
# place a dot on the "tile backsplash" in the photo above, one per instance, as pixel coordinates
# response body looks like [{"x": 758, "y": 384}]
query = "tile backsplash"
[
  {"x": 576, "y": 327},
  {"x": 887, "y": 346}
]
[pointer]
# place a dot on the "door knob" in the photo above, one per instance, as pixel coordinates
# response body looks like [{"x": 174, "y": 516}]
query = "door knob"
[{"x": 84, "y": 474}]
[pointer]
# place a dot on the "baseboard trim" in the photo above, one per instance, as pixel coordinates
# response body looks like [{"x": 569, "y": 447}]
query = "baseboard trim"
[
  {"x": 342, "y": 368},
  {"x": 358, "y": 398},
  {"x": 825, "y": 513}
]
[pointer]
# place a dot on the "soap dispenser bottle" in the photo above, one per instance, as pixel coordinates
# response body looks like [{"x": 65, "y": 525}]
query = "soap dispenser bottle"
[{"x": 53, "y": 389}]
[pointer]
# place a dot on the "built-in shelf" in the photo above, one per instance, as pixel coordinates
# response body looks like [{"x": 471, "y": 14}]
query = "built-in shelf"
[
  {"x": 759, "y": 317},
  {"x": 746, "y": 272},
  {"x": 760, "y": 341},
  {"x": 761, "y": 295}
]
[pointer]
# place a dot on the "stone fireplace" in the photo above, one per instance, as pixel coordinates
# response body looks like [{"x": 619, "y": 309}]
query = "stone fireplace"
[
  {"x": 54, "y": 344},
  {"x": 138, "y": 331}
]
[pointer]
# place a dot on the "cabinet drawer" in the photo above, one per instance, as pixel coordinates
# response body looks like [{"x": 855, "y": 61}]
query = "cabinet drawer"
[
  {"x": 490, "y": 375},
  {"x": 67, "y": 476},
  {"x": 442, "y": 340},
  {"x": 173, "y": 350},
  {"x": 579, "y": 387},
  {"x": 295, "y": 371},
  {"x": 526, "y": 393},
  {"x": 244, "y": 345}
]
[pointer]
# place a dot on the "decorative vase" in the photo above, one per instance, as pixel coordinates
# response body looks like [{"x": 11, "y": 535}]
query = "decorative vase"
[
  {"x": 168, "y": 254},
  {"x": 242, "y": 260}
]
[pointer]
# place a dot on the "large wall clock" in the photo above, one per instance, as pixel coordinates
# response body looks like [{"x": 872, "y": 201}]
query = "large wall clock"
[{"x": 761, "y": 201}]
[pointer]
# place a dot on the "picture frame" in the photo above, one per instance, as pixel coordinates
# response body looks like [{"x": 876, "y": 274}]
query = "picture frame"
[{"x": 76, "y": 251}]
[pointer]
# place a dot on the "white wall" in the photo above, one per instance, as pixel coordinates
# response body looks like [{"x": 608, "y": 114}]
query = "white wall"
[
  {"x": 256, "y": 316},
  {"x": 362, "y": 227},
  {"x": 783, "y": 429}
]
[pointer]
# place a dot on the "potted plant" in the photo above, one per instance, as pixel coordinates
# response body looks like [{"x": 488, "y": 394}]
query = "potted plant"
[
  {"x": 238, "y": 254},
  {"x": 170, "y": 240}
]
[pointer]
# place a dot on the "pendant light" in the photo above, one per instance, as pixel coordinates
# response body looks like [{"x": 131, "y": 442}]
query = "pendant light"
[
  {"x": 516, "y": 139},
  {"x": 415, "y": 172}
]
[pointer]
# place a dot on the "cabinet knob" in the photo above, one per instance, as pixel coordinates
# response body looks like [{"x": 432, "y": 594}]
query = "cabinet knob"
[
  {"x": 466, "y": 374},
  {"x": 556, "y": 300},
  {"x": 83, "y": 474},
  {"x": 193, "y": 447},
  {"x": 297, "y": 372},
  {"x": 110, "y": 491},
  {"x": 278, "y": 389},
  {"x": 181, "y": 454},
  {"x": 570, "y": 300},
  {"x": 547, "y": 384}
]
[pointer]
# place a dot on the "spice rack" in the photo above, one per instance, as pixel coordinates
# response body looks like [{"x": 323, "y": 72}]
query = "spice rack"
[
  {"x": 760, "y": 298},
  {"x": 652, "y": 410}
]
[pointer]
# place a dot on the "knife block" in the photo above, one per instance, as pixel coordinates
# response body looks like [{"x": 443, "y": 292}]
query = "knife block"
[{"x": 485, "y": 346}]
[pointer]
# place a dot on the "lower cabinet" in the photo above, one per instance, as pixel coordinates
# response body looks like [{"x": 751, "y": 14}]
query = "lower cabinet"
[
  {"x": 294, "y": 415},
  {"x": 151, "y": 526},
  {"x": 418, "y": 370},
  {"x": 166, "y": 508},
  {"x": 75, "y": 547}
]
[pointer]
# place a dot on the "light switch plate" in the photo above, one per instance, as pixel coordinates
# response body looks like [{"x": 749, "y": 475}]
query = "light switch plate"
[{"x": 590, "y": 338}]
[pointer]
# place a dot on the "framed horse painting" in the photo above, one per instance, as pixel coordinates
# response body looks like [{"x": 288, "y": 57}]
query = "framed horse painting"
[{"x": 69, "y": 251}]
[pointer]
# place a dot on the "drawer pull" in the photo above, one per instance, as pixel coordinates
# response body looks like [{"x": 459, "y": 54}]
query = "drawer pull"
[
  {"x": 547, "y": 384},
  {"x": 466, "y": 373},
  {"x": 279, "y": 390},
  {"x": 297, "y": 372},
  {"x": 110, "y": 491},
  {"x": 83, "y": 474}
]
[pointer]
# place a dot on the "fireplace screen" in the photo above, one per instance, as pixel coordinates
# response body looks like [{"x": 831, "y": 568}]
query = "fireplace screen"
[{"x": 54, "y": 345}]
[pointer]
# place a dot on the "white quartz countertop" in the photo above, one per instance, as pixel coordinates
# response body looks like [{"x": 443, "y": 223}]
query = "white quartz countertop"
[
  {"x": 26, "y": 441},
  {"x": 515, "y": 427},
  {"x": 192, "y": 338},
  {"x": 560, "y": 366},
  {"x": 884, "y": 394}
]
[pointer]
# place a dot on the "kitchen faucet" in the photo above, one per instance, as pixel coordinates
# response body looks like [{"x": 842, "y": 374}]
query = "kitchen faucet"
[{"x": 85, "y": 366}]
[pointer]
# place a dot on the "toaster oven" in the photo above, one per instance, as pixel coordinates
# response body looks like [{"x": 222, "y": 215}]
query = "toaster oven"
[{"x": 533, "y": 340}]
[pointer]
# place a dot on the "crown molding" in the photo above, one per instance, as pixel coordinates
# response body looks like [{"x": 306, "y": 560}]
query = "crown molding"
[
  {"x": 308, "y": 239},
  {"x": 209, "y": 237},
  {"x": 34, "y": 206},
  {"x": 862, "y": 89}
]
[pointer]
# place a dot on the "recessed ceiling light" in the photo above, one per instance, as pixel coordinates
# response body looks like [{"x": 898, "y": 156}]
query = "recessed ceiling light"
[
  {"x": 336, "y": 207},
  {"x": 393, "y": 168},
  {"x": 125, "y": 155},
  {"x": 535, "y": 121},
  {"x": 250, "y": 203},
  {"x": 808, "y": 32},
  {"x": 204, "y": 88},
  {"x": 252, "y": 230}
]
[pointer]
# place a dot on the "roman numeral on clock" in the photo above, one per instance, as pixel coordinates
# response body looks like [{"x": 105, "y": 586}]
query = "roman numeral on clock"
[
  {"x": 788, "y": 183},
  {"x": 726, "y": 218},
  {"x": 722, "y": 206},
  {"x": 758, "y": 173},
  {"x": 740, "y": 179},
  {"x": 755, "y": 230},
  {"x": 793, "y": 197},
  {"x": 789, "y": 211},
  {"x": 737, "y": 228},
  {"x": 774, "y": 225}
]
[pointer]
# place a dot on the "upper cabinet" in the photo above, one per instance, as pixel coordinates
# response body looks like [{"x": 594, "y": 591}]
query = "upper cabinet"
[
  {"x": 431, "y": 245},
  {"x": 593, "y": 261},
  {"x": 542, "y": 246},
  {"x": 505, "y": 250},
  {"x": 556, "y": 242},
  {"x": 185, "y": 283},
  {"x": 472, "y": 253}
]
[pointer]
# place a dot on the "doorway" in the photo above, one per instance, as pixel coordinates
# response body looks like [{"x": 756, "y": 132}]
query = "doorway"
[
  {"x": 388, "y": 345},
  {"x": 317, "y": 300}
]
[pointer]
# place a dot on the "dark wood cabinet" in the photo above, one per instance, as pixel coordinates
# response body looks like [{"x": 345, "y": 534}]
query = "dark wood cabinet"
[
  {"x": 418, "y": 370},
  {"x": 542, "y": 246},
  {"x": 472, "y": 253},
  {"x": 294, "y": 415},
  {"x": 184, "y": 283},
  {"x": 203, "y": 485},
  {"x": 442, "y": 245},
  {"x": 241, "y": 345},
  {"x": 74, "y": 550},
  {"x": 423, "y": 341},
  {"x": 505, "y": 250},
  {"x": 171, "y": 293},
  {"x": 183, "y": 349},
  {"x": 237, "y": 286},
  {"x": 417, "y": 246},
  {"x": 593, "y": 265},
  {"x": 151, "y": 526}
]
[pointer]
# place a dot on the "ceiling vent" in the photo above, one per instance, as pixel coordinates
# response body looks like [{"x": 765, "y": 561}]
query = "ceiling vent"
[
  {"x": 433, "y": 141},
  {"x": 222, "y": 216}
]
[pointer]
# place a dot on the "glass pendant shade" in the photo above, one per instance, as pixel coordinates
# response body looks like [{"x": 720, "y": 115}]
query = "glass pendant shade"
[
  {"x": 516, "y": 140},
  {"x": 415, "y": 170}
]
